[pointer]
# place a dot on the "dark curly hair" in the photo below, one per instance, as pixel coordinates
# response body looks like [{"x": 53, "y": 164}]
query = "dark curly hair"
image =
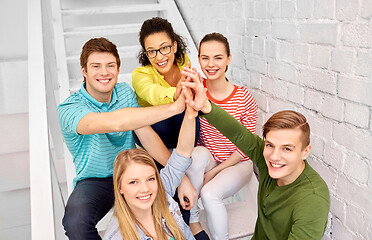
[{"x": 156, "y": 25}]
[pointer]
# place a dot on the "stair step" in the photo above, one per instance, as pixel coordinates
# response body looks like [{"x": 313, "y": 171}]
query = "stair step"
[
  {"x": 14, "y": 133},
  {"x": 103, "y": 30},
  {"x": 14, "y": 171},
  {"x": 124, "y": 52},
  {"x": 14, "y": 86},
  {"x": 15, "y": 209},
  {"x": 115, "y": 9}
]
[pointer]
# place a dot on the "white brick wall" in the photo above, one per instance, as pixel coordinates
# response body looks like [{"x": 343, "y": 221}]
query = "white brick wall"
[{"x": 314, "y": 56}]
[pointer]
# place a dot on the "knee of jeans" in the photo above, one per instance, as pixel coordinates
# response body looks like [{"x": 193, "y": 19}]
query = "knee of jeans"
[
  {"x": 77, "y": 220},
  {"x": 200, "y": 157}
]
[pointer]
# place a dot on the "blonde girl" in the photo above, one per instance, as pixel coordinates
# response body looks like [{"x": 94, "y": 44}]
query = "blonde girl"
[{"x": 144, "y": 207}]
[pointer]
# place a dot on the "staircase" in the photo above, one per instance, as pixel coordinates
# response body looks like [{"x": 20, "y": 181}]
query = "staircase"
[{"x": 66, "y": 26}]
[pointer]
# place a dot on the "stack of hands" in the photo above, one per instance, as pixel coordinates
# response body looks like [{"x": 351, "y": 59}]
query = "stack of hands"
[{"x": 190, "y": 94}]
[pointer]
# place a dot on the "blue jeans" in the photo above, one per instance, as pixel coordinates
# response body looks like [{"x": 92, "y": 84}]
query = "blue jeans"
[
  {"x": 169, "y": 129},
  {"x": 88, "y": 203}
]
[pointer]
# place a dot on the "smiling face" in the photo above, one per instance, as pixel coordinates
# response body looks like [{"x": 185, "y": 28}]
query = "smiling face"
[
  {"x": 101, "y": 75},
  {"x": 213, "y": 59},
  {"x": 285, "y": 155},
  {"x": 139, "y": 187},
  {"x": 162, "y": 63}
]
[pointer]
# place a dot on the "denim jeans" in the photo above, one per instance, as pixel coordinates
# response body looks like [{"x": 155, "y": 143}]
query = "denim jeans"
[
  {"x": 88, "y": 203},
  {"x": 169, "y": 129}
]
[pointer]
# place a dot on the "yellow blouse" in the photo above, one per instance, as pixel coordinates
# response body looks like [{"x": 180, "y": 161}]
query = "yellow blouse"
[{"x": 150, "y": 86}]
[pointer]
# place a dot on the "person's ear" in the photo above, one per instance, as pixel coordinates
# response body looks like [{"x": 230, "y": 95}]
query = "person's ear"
[
  {"x": 306, "y": 152},
  {"x": 84, "y": 71},
  {"x": 175, "y": 46},
  {"x": 229, "y": 59}
]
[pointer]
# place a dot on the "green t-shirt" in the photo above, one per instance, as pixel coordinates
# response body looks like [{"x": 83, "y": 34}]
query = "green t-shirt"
[{"x": 296, "y": 211}]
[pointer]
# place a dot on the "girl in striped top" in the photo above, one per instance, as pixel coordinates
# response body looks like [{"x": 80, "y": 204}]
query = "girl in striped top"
[{"x": 219, "y": 169}]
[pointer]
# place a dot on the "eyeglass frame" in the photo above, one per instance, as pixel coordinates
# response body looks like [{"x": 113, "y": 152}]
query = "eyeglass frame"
[{"x": 158, "y": 50}]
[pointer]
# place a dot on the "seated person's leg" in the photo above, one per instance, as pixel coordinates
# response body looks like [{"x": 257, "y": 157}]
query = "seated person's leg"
[
  {"x": 226, "y": 183},
  {"x": 164, "y": 130},
  {"x": 202, "y": 161},
  {"x": 176, "y": 124},
  {"x": 87, "y": 205}
]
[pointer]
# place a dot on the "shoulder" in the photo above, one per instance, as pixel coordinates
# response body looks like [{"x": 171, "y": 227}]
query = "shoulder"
[
  {"x": 311, "y": 193},
  {"x": 123, "y": 87},
  {"x": 113, "y": 231},
  {"x": 244, "y": 91},
  {"x": 143, "y": 70},
  {"x": 246, "y": 97},
  {"x": 316, "y": 183},
  {"x": 74, "y": 101}
]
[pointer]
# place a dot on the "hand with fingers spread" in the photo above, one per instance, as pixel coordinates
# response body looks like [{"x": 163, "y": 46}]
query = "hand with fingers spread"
[
  {"x": 194, "y": 91},
  {"x": 179, "y": 87}
]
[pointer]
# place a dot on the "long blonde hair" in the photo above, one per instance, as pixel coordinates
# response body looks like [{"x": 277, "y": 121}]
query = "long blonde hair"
[{"x": 160, "y": 210}]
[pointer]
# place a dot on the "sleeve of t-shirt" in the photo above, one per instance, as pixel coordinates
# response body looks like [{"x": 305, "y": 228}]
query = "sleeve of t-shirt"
[
  {"x": 70, "y": 114},
  {"x": 309, "y": 218},
  {"x": 249, "y": 116},
  {"x": 148, "y": 89}
]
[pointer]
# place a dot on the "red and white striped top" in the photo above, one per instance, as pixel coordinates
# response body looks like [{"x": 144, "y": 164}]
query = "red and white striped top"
[{"x": 243, "y": 107}]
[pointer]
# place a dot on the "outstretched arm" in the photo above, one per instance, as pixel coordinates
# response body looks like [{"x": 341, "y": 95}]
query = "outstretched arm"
[
  {"x": 185, "y": 145},
  {"x": 186, "y": 136},
  {"x": 127, "y": 119}
]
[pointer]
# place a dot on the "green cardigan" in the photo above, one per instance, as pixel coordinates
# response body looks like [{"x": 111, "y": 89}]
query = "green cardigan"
[{"x": 295, "y": 211}]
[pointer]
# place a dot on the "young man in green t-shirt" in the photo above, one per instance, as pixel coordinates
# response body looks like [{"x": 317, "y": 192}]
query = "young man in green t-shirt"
[{"x": 293, "y": 200}]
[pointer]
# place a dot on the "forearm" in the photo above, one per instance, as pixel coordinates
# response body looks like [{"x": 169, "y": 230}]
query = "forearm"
[
  {"x": 153, "y": 144},
  {"x": 186, "y": 137},
  {"x": 231, "y": 161},
  {"x": 125, "y": 119},
  {"x": 174, "y": 171}
]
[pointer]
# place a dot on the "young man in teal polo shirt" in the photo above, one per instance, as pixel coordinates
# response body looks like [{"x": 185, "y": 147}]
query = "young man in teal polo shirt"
[
  {"x": 293, "y": 200},
  {"x": 97, "y": 123}
]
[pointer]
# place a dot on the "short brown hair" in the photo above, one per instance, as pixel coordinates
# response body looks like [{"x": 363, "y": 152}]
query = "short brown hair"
[
  {"x": 98, "y": 45},
  {"x": 288, "y": 120}
]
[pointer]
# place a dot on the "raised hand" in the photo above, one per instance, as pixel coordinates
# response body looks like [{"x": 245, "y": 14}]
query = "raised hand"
[
  {"x": 194, "y": 91},
  {"x": 179, "y": 87}
]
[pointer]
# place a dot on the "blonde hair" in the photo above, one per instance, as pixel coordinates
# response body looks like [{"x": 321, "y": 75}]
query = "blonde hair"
[{"x": 160, "y": 210}]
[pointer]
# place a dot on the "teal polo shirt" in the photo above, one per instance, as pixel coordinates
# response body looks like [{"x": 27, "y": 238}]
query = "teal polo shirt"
[{"x": 94, "y": 154}]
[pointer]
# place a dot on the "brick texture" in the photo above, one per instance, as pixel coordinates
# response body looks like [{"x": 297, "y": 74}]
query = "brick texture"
[{"x": 315, "y": 57}]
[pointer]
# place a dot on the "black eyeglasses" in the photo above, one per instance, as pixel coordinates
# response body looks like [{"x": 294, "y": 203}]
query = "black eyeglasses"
[{"x": 163, "y": 50}]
